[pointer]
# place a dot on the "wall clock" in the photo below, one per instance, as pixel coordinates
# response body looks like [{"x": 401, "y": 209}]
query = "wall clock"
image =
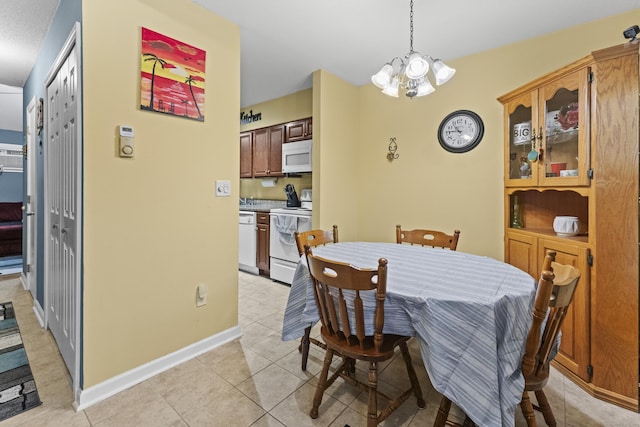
[{"x": 460, "y": 131}]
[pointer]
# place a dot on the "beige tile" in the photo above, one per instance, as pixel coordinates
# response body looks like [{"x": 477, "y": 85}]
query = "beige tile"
[
  {"x": 270, "y": 386},
  {"x": 271, "y": 390},
  {"x": 228, "y": 409},
  {"x": 190, "y": 386},
  {"x": 273, "y": 348},
  {"x": 273, "y": 321},
  {"x": 292, "y": 362},
  {"x": 139, "y": 405},
  {"x": 294, "y": 410},
  {"x": 267, "y": 421},
  {"x": 242, "y": 365},
  {"x": 253, "y": 333},
  {"x": 58, "y": 417},
  {"x": 220, "y": 353}
]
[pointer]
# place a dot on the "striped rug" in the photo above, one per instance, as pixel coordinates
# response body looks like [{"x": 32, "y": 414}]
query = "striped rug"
[{"x": 18, "y": 391}]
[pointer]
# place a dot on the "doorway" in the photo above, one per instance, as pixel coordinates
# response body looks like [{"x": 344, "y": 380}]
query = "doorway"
[{"x": 31, "y": 198}]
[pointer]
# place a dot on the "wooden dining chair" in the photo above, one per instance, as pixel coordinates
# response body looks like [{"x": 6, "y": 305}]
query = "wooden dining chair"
[
  {"x": 339, "y": 289},
  {"x": 556, "y": 288},
  {"x": 312, "y": 238},
  {"x": 433, "y": 238},
  {"x": 315, "y": 238}
]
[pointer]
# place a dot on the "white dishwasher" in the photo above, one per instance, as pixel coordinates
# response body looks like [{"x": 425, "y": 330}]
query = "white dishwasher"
[{"x": 247, "y": 242}]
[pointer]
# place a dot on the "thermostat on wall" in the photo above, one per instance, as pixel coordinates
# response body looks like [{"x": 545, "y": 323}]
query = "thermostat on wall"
[{"x": 126, "y": 141}]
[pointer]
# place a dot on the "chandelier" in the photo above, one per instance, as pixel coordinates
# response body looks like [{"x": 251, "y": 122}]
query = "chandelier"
[{"x": 410, "y": 73}]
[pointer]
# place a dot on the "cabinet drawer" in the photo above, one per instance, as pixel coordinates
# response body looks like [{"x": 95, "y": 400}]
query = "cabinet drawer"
[{"x": 262, "y": 218}]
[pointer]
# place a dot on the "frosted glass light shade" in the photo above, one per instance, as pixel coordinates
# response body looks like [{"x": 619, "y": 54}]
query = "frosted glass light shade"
[
  {"x": 442, "y": 72},
  {"x": 425, "y": 88},
  {"x": 417, "y": 66},
  {"x": 392, "y": 89},
  {"x": 382, "y": 78}
]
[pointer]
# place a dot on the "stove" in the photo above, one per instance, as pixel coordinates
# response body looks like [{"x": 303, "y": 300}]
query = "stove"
[
  {"x": 291, "y": 211},
  {"x": 283, "y": 251}
]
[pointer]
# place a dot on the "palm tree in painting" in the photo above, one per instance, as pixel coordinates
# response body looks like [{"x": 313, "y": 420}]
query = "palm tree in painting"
[
  {"x": 186, "y": 107},
  {"x": 156, "y": 60},
  {"x": 190, "y": 81}
]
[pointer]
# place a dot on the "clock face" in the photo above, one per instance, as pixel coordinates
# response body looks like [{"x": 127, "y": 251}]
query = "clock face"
[{"x": 460, "y": 131}]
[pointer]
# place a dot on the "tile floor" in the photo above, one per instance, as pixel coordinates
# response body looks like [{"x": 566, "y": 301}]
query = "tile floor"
[{"x": 253, "y": 381}]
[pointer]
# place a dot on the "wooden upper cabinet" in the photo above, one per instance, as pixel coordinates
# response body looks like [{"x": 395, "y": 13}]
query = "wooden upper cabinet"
[
  {"x": 276, "y": 138},
  {"x": 299, "y": 130},
  {"x": 267, "y": 151},
  {"x": 261, "y": 152},
  {"x": 246, "y": 155},
  {"x": 261, "y": 149}
]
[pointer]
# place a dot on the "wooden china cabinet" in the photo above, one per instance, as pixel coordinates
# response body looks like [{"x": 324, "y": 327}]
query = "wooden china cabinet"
[{"x": 571, "y": 149}]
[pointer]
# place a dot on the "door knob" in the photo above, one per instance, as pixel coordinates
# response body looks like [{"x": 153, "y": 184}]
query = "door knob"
[{"x": 30, "y": 213}]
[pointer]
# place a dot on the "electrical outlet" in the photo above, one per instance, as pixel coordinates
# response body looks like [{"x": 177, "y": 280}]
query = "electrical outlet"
[
  {"x": 223, "y": 188},
  {"x": 201, "y": 295}
]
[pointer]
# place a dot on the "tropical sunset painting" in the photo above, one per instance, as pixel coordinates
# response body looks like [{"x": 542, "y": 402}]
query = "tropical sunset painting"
[{"x": 171, "y": 76}]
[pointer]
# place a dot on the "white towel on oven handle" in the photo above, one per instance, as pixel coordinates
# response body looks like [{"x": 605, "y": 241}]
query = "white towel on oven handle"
[{"x": 286, "y": 226}]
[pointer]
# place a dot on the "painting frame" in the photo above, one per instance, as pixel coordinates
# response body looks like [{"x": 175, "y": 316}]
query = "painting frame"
[{"x": 172, "y": 76}]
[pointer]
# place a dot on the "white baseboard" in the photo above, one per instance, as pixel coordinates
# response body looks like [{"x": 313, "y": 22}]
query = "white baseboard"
[
  {"x": 92, "y": 395},
  {"x": 39, "y": 311}
]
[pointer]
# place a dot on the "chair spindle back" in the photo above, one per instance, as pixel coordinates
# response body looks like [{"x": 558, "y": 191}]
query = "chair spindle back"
[{"x": 339, "y": 288}]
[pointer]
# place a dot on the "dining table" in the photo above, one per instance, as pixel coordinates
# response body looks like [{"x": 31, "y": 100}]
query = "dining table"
[{"x": 471, "y": 315}]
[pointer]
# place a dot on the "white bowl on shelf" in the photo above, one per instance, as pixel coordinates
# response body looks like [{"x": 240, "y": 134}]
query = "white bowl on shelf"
[{"x": 566, "y": 226}]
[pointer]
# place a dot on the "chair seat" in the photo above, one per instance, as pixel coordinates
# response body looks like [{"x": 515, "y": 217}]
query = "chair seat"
[{"x": 368, "y": 351}]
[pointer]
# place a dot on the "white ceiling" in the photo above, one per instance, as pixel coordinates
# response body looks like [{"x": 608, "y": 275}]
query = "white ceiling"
[
  {"x": 284, "y": 41},
  {"x": 23, "y": 26}
]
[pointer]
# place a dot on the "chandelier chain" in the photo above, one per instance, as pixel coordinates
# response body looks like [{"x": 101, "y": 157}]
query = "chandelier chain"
[{"x": 411, "y": 27}]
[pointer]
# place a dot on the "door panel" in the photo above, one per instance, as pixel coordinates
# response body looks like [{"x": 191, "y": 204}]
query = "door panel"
[
  {"x": 574, "y": 351},
  {"x": 62, "y": 204}
]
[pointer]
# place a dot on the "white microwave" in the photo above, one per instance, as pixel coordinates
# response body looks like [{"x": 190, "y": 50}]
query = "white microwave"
[{"x": 296, "y": 156}]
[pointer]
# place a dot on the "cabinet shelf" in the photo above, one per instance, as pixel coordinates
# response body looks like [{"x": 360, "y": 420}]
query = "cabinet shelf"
[{"x": 550, "y": 234}]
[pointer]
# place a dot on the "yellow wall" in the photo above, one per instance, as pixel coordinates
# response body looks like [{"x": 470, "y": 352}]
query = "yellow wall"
[
  {"x": 285, "y": 109},
  {"x": 336, "y": 156},
  {"x": 153, "y": 229},
  {"x": 356, "y": 187},
  {"x": 427, "y": 186}
]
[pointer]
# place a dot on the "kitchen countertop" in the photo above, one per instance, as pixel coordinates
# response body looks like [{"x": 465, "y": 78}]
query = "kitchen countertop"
[{"x": 262, "y": 205}]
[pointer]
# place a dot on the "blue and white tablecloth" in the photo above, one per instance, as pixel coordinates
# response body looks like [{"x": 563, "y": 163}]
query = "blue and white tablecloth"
[{"x": 471, "y": 315}]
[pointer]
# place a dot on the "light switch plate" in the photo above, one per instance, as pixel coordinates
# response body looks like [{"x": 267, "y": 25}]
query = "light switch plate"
[{"x": 223, "y": 188}]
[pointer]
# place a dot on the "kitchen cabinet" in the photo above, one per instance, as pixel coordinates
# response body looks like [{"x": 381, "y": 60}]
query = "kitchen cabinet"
[
  {"x": 261, "y": 149},
  {"x": 299, "y": 130},
  {"x": 548, "y": 132},
  {"x": 267, "y": 151},
  {"x": 582, "y": 120},
  {"x": 262, "y": 253},
  {"x": 246, "y": 155}
]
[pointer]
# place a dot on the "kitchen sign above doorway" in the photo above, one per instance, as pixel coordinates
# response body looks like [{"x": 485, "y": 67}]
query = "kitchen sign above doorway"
[{"x": 246, "y": 118}]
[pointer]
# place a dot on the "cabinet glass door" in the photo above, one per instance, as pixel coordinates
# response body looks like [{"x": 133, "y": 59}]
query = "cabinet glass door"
[
  {"x": 522, "y": 155},
  {"x": 564, "y": 121}
]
